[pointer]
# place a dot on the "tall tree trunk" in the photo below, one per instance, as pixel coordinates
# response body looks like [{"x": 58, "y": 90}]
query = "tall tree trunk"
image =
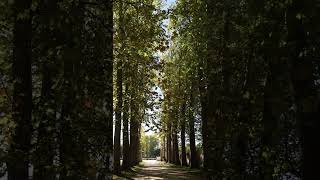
[
  {"x": 176, "y": 147},
  {"x": 107, "y": 59},
  {"x": 275, "y": 101},
  {"x": 212, "y": 163},
  {"x": 18, "y": 163},
  {"x": 239, "y": 150},
  {"x": 117, "y": 134},
  {"x": 194, "y": 163},
  {"x": 240, "y": 143},
  {"x": 303, "y": 81},
  {"x": 126, "y": 145},
  {"x": 67, "y": 138},
  {"x": 139, "y": 153},
  {"x": 220, "y": 119},
  {"x": 172, "y": 146},
  {"x": 45, "y": 151},
  {"x": 163, "y": 149},
  {"x": 183, "y": 136},
  {"x": 275, "y": 105},
  {"x": 269, "y": 137},
  {"x": 308, "y": 116},
  {"x": 204, "y": 109},
  {"x": 134, "y": 136},
  {"x": 70, "y": 149},
  {"x": 169, "y": 144}
]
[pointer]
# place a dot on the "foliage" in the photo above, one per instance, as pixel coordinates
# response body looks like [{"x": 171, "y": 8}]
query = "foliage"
[
  {"x": 150, "y": 146},
  {"x": 231, "y": 59}
]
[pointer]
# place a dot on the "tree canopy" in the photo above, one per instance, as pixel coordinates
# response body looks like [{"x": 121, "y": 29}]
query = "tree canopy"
[{"x": 231, "y": 87}]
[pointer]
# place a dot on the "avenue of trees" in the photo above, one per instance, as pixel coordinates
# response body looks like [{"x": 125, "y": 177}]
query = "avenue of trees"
[
  {"x": 241, "y": 78},
  {"x": 229, "y": 86},
  {"x": 139, "y": 35}
]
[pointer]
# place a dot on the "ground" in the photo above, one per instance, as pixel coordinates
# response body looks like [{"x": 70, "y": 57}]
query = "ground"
[{"x": 152, "y": 169}]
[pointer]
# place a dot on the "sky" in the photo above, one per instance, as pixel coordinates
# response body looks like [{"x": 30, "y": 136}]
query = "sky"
[{"x": 169, "y": 2}]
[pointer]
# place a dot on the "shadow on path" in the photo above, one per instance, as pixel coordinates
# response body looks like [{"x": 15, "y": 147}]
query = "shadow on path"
[{"x": 152, "y": 169}]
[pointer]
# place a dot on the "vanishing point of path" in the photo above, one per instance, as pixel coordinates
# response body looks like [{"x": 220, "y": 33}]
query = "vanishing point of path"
[{"x": 152, "y": 169}]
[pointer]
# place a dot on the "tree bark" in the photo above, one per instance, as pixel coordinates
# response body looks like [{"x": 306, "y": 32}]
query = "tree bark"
[
  {"x": 169, "y": 144},
  {"x": 108, "y": 70},
  {"x": 275, "y": 100},
  {"x": 45, "y": 151},
  {"x": 194, "y": 163},
  {"x": 303, "y": 80},
  {"x": 126, "y": 145},
  {"x": 183, "y": 136},
  {"x": 269, "y": 136},
  {"x": 211, "y": 162},
  {"x": 18, "y": 163},
  {"x": 118, "y": 116},
  {"x": 163, "y": 149},
  {"x": 204, "y": 109},
  {"x": 67, "y": 138},
  {"x": 134, "y": 136},
  {"x": 176, "y": 148},
  {"x": 241, "y": 138}
]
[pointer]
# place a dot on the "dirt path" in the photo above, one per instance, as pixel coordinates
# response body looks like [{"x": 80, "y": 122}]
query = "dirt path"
[{"x": 152, "y": 169}]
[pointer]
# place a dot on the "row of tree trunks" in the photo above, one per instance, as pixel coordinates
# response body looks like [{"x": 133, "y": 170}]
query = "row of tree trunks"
[
  {"x": 73, "y": 152},
  {"x": 171, "y": 146}
]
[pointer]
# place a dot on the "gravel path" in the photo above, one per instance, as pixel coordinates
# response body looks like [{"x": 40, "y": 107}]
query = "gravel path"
[{"x": 152, "y": 169}]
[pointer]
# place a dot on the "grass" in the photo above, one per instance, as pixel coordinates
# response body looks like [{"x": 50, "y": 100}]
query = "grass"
[{"x": 130, "y": 172}]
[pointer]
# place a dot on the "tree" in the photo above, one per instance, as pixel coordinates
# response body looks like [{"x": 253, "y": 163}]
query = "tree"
[
  {"x": 301, "y": 40},
  {"x": 150, "y": 146},
  {"x": 183, "y": 136},
  {"x": 18, "y": 161},
  {"x": 119, "y": 96}
]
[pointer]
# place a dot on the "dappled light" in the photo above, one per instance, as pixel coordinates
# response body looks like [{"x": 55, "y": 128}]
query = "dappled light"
[
  {"x": 159, "y": 89},
  {"x": 152, "y": 169}
]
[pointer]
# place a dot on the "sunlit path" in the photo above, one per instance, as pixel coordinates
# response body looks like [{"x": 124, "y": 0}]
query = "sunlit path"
[{"x": 152, "y": 169}]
